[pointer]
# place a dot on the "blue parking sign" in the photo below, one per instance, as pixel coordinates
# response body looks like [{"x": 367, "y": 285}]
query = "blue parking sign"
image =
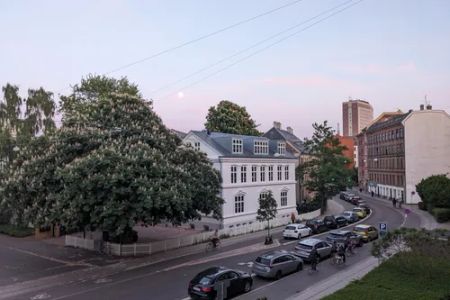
[{"x": 382, "y": 226}]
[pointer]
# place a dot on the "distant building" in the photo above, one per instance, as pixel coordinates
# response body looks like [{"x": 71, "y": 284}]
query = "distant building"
[
  {"x": 350, "y": 153},
  {"x": 356, "y": 115},
  {"x": 399, "y": 150},
  {"x": 250, "y": 167}
]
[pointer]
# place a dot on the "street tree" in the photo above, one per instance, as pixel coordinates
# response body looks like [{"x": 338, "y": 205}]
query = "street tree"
[
  {"x": 111, "y": 165},
  {"x": 267, "y": 211},
  {"x": 326, "y": 170},
  {"x": 435, "y": 191},
  {"x": 229, "y": 117}
]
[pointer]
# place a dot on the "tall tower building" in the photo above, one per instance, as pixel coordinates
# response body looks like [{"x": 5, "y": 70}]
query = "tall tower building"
[{"x": 356, "y": 114}]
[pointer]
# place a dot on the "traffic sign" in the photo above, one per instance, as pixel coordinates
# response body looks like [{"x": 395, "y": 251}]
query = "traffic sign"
[{"x": 382, "y": 226}]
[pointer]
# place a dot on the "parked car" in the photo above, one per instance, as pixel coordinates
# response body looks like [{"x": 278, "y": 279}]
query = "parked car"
[
  {"x": 355, "y": 199},
  {"x": 342, "y": 195},
  {"x": 330, "y": 222},
  {"x": 303, "y": 248},
  {"x": 204, "y": 285},
  {"x": 367, "y": 232},
  {"x": 275, "y": 264},
  {"x": 365, "y": 207},
  {"x": 341, "y": 221},
  {"x": 317, "y": 225},
  {"x": 341, "y": 236},
  {"x": 348, "y": 197},
  {"x": 296, "y": 231},
  {"x": 361, "y": 212},
  {"x": 350, "y": 216}
]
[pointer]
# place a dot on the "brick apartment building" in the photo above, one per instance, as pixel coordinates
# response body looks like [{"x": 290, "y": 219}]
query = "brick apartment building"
[{"x": 398, "y": 150}]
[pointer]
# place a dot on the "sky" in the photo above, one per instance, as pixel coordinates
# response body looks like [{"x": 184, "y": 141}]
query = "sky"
[{"x": 388, "y": 52}]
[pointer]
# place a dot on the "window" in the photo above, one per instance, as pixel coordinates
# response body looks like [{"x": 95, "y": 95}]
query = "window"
[
  {"x": 280, "y": 173},
  {"x": 239, "y": 204},
  {"x": 197, "y": 146},
  {"x": 263, "y": 173},
  {"x": 254, "y": 173},
  {"x": 286, "y": 172},
  {"x": 233, "y": 174},
  {"x": 283, "y": 198},
  {"x": 281, "y": 148},
  {"x": 270, "y": 173},
  {"x": 263, "y": 195},
  {"x": 243, "y": 173},
  {"x": 261, "y": 147},
  {"x": 237, "y": 146}
]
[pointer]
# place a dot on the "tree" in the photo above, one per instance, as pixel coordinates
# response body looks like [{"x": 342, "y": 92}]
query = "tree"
[
  {"x": 267, "y": 211},
  {"x": 435, "y": 191},
  {"x": 112, "y": 164},
  {"x": 326, "y": 170},
  {"x": 229, "y": 117}
]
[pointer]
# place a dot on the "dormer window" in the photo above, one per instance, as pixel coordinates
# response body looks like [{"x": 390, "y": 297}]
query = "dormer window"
[
  {"x": 237, "y": 146},
  {"x": 197, "y": 146},
  {"x": 261, "y": 147},
  {"x": 281, "y": 148}
]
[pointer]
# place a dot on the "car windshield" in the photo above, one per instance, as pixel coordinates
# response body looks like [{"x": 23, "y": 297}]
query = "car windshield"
[
  {"x": 305, "y": 247},
  {"x": 205, "y": 280},
  {"x": 290, "y": 228},
  {"x": 360, "y": 228},
  {"x": 263, "y": 261}
]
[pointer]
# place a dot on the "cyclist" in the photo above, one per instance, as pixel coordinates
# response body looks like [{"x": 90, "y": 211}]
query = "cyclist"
[
  {"x": 341, "y": 252},
  {"x": 215, "y": 240}
]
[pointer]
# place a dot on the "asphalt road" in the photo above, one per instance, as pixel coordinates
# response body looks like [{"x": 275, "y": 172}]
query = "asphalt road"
[{"x": 168, "y": 280}]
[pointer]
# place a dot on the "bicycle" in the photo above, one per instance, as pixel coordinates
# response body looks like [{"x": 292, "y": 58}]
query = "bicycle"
[
  {"x": 337, "y": 260},
  {"x": 212, "y": 245}
]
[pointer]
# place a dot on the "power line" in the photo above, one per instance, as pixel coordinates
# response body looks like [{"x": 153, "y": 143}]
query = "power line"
[
  {"x": 202, "y": 37},
  {"x": 248, "y": 48},
  {"x": 262, "y": 49}
]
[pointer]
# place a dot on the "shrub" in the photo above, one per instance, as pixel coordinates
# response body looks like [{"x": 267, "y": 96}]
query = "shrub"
[
  {"x": 5, "y": 216},
  {"x": 16, "y": 231},
  {"x": 306, "y": 207},
  {"x": 441, "y": 214},
  {"x": 422, "y": 205}
]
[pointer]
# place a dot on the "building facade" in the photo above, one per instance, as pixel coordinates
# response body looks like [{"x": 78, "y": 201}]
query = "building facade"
[
  {"x": 250, "y": 167},
  {"x": 356, "y": 115},
  {"x": 399, "y": 150}
]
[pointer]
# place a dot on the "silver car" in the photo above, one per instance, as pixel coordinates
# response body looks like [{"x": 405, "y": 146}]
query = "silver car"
[
  {"x": 305, "y": 247},
  {"x": 276, "y": 264}
]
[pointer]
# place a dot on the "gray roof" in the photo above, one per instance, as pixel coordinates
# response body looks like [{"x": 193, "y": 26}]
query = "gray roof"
[
  {"x": 222, "y": 142},
  {"x": 395, "y": 120},
  {"x": 280, "y": 134}
]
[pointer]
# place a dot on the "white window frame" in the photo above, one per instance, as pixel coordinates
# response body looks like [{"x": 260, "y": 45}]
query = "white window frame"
[
  {"x": 283, "y": 198},
  {"x": 243, "y": 173},
  {"x": 280, "y": 172},
  {"x": 233, "y": 174},
  {"x": 262, "y": 173},
  {"x": 286, "y": 172},
  {"x": 237, "y": 146},
  {"x": 263, "y": 194},
  {"x": 270, "y": 173},
  {"x": 261, "y": 147},
  {"x": 281, "y": 148},
  {"x": 239, "y": 203},
  {"x": 254, "y": 173}
]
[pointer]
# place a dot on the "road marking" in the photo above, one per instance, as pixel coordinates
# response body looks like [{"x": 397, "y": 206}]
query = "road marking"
[
  {"x": 248, "y": 264},
  {"x": 289, "y": 243},
  {"x": 187, "y": 298}
]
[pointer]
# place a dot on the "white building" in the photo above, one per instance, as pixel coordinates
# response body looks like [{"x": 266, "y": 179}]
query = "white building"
[{"x": 250, "y": 167}]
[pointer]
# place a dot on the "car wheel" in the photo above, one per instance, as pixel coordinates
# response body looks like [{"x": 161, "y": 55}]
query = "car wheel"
[
  {"x": 247, "y": 287},
  {"x": 299, "y": 267},
  {"x": 278, "y": 275}
]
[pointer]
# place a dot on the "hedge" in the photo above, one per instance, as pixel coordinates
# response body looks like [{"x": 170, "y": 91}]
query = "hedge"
[
  {"x": 16, "y": 231},
  {"x": 441, "y": 214},
  {"x": 307, "y": 207}
]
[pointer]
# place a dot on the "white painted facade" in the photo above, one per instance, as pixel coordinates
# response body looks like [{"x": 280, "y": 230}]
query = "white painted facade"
[
  {"x": 427, "y": 148},
  {"x": 250, "y": 190}
]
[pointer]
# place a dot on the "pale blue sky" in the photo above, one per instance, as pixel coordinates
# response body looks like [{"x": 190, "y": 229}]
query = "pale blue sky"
[{"x": 389, "y": 52}]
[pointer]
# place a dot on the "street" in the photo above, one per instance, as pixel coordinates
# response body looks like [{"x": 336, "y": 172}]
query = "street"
[{"x": 169, "y": 279}]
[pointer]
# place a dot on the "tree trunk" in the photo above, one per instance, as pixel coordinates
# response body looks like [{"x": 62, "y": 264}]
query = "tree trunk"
[{"x": 268, "y": 228}]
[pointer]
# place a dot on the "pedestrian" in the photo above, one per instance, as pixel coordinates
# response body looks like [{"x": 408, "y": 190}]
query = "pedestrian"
[
  {"x": 394, "y": 202},
  {"x": 341, "y": 252},
  {"x": 400, "y": 202},
  {"x": 314, "y": 260},
  {"x": 372, "y": 193}
]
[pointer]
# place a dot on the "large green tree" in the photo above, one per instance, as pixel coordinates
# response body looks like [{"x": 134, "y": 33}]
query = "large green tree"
[
  {"x": 229, "y": 117},
  {"x": 112, "y": 164},
  {"x": 435, "y": 191},
  {"x": 326, "y": 170}
]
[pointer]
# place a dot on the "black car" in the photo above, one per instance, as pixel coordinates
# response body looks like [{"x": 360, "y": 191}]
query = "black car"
[
  {"x": 316, "y": 225},
  {"x": 341, "y": 221},
  {"x": 341, "y": 236},
  {"x": 330, "y": 222},
  {"x": 209, "y": 282}
]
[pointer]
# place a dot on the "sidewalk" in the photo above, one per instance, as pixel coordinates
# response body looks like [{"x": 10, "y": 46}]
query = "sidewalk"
[{"x": 335, "y": 283}]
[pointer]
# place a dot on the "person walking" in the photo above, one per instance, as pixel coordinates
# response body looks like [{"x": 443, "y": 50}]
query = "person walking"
[
  {"x": 314, "y": 260},
  {"x": 394, "y": 202},
  {"x": 371, "y": 193},
  {"x": 341, "y": 252}
]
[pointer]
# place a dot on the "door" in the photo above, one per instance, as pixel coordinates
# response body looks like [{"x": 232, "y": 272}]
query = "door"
[
  {"x": 223, "y": 286},
  {"x": 236, "y": 284}
]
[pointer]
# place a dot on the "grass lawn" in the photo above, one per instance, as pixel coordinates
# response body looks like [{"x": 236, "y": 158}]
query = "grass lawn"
[
  {"x": 405, "y": 276},
  {"x": 15, "y": 230}
]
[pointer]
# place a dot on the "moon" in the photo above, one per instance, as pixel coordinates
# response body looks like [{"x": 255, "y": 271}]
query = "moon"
[{"x": 180, "y": 95}]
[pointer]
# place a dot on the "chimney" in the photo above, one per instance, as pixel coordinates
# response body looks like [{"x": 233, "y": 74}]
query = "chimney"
[
  {"x": 277, "y": 125},
  {"x": 421, "y": 106},
  {"x": 429, "y": 107},
  {"x": 290, "y": 130}
]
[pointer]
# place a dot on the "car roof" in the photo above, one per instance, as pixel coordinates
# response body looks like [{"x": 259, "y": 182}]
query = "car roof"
[
  {"x": 310, "y": 241},
  {"x": 213, "y": 271},
  {"x": 340, "y": 231},
  {"x": 274, "y": 254},
  {"x": 363, "y": 226}
]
